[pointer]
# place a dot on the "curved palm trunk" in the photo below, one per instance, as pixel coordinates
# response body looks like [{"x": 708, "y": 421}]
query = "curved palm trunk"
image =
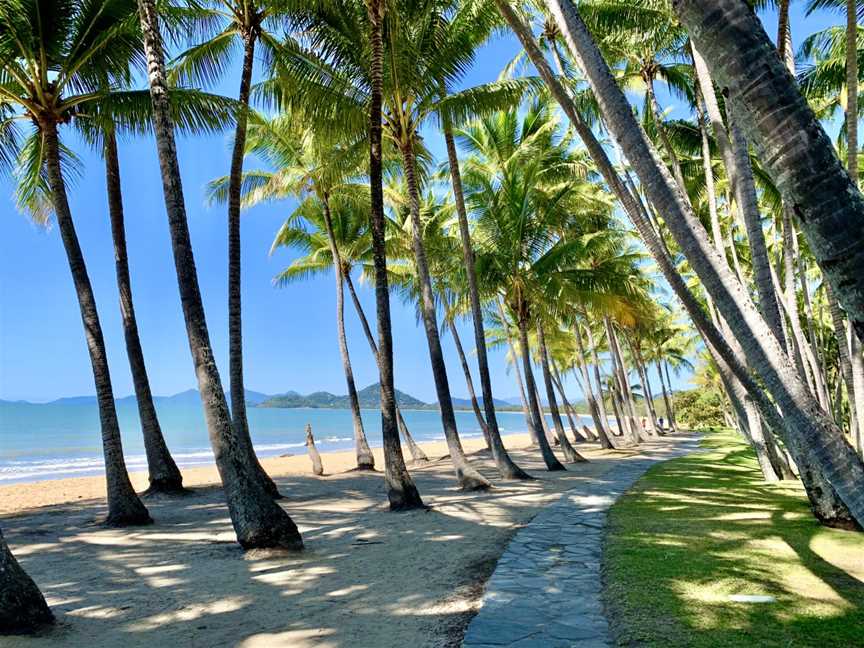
[
  {"x": 671, "y": 396},
  {"x": 124, "y": 505},
  {"x": 666, "y": 400},
  {"x": 824, "y": 500},
  {"x": 623, "y": 379},
  {"x": 417, "y": 454},
  {"x": 578, "y": 435},
  {"x": 505, "y": 465},
  {"x": 22, "y": 607},
  {"x": 829, "y": 207},
  {"x": 235, "y": 309},
  {"x": 163, "y": 473},
  {"x": 807, "y": 428},
  {"x": 646, "y": 390},
  {"x": 258, "y": 521},
  {"x": 365, "y": 459},
  {"x": 529, "y": 420},
  {"x": 549, "y": 458},
  {"x": 601, "y": 421},
  {"x": 570, "y": 454},
  {"x": 469, "y": 383},
  {"x": 401, "y": 491},
  {"x": 746, "y": 197},
  {"x": 469, "y": 478}
]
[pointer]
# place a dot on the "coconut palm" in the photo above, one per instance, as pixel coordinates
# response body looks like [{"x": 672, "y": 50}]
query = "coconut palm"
[
  {"x": 783, "y": 384},
  {"x": 329, "y": 225},
  {"x": 426, "y": 45},
  {"x": 830, "y": 218},
  {"x": 53, "y": 68},
  {"x": 258, "y": 521},
  {"x": 222, "y": 27}
]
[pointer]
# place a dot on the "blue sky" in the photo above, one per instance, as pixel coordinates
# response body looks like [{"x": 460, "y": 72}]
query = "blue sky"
[{"x": 290, "y": 333}]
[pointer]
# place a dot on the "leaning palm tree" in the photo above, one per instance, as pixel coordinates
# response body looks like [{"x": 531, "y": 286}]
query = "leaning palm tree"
[
  {"x": 781, "y": 382},
  {"x": 53, "y": 66},
  {"x": 823, "y": 445},
  {"x": 192, "y": 111},
  {"x": 419, "y": 56},
  {"x": 325, "y": 225},
  {"x": 258, "y": 521},
  {"x": 737, "y": 49},
  {"x": 22, "y": 606},
  {"x": 222, "y": 26}
]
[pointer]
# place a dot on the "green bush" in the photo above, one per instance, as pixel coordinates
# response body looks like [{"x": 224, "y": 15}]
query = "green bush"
[{"x": 699, "y": 408}]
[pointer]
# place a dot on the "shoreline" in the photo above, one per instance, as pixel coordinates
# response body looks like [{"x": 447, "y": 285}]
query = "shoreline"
[{"x": 21, "y": 498}]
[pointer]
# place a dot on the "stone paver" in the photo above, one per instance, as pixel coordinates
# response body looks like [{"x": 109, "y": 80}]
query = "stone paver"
[{"x": 545, "y": 591}]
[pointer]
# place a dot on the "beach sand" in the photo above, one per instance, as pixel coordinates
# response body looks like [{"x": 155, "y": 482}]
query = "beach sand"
[{"x": 368, "y": 577}]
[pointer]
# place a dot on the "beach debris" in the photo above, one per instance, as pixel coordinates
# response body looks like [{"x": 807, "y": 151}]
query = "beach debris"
[{"x": 317, "y": 466}]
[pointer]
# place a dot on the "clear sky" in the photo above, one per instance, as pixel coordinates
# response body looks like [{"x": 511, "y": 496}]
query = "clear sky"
[{"x": 290, "y": 333}]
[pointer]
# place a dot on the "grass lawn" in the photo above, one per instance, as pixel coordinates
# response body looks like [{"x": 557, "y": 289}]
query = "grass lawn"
[{"x": 695, "y": 530}]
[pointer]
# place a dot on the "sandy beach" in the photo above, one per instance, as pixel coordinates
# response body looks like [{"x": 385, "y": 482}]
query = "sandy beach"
[{"x": 367, "y": 578}]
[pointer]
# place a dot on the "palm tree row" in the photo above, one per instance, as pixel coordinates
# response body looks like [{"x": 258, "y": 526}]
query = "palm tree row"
[{"x": 743, "y": 203}]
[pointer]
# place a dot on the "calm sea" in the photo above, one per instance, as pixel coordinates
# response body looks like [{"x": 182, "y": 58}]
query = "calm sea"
[{"x": 52, "y": 441}]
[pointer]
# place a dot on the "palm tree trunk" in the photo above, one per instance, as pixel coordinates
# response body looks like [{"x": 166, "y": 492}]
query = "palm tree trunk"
[
  {"x": 745, "y": 196},
  {"x": 578, "y": 434},
  {"x": 417, "y": 454},
  {"x": 469, "y": 382},
  {"x": 829, "y": 207},
  {"x": 22, "y": 607},
  {"x": 549, "y": 458},
  {"x": 258, "y": 521},
  {"x": 506, "y": 466},
  {"x": 666, "y": 400},
  {"x": 806, "y": 427},
  {"x": 529, "y": 421},
  {"x": 664, "y": 136},
  {"x": 825, "y": 503},
  {"x": 570, "y": 453},
  {"x": 124, "y": 506},
  {"x": 163, "y": 473},
  {"x": 469, "y": 478},
  {"x": 235, "y": 310},
  {"x": 401, "y": 491},
  {"x": 365, "y": 458},
  {"x": 623, "y": 378},
  {"x": 598, "y": 414},
  {"x": 671, "y": 397},
  {"x": 646, "y": 389}
]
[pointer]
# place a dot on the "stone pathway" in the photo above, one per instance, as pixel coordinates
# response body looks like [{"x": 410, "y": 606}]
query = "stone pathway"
[{"x": 545, "y": 591}]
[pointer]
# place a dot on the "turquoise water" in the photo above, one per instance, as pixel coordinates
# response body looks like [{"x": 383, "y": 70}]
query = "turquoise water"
[{"x": 53, "y": 441}]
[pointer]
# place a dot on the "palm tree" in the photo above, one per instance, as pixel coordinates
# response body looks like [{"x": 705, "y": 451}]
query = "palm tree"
[
  {"x": 826, "y": 505},
  {"x": 421, "y": 53},
  {"x": 164, "y": 476},
  {"x": 222, "y": 26},
  {"x": 258, "y": 521},
  {"x": 825, "y": 444},
  {"x": 829, "y": 206},
  {"x": 319, "y": 173},
  {"x": 401, "y": 491},
  {"x": 22, "y": 606},
  {"x": 53, "y": 69}
]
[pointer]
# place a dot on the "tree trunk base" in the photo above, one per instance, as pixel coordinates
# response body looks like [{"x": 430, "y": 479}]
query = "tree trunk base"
[
  {"x": 284, "y": 536},
  {"x": 132, "y": 515},
  {"x": 405, "y": 500},
  {"x": 165, "y": 487}
]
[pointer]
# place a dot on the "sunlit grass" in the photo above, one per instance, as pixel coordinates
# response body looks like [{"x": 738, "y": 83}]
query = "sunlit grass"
[{"x": 698, "y": 529}]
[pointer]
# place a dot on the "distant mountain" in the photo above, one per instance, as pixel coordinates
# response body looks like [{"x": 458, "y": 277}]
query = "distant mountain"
[
  {"x": 465, "y": 403},
  {"x": 370, "y": 397}
]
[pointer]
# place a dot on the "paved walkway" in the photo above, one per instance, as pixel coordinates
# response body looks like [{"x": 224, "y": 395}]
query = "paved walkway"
[{"x": 545, "y": 591}]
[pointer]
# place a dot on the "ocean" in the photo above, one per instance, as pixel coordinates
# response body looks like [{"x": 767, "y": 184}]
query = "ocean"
[{"x": 57, "y": 440}]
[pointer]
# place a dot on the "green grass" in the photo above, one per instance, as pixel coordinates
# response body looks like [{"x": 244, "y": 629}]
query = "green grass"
[{"x": 697, "y": 529}]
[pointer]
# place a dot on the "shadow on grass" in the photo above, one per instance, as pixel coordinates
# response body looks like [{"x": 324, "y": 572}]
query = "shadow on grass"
[{"x": 698, "y": 529}]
